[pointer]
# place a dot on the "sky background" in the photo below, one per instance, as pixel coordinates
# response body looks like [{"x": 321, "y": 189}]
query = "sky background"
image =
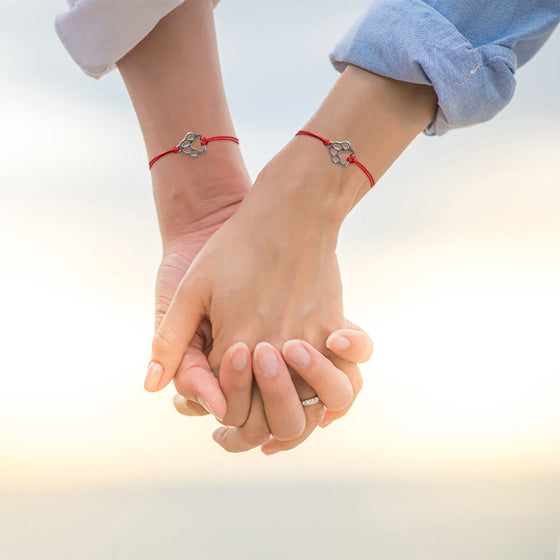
[{"x": 452, "y": 263}]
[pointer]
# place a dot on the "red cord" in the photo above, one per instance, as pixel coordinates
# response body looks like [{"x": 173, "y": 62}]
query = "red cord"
[
  {"x": 351, "y": 158},
  {"x": 306, "y": 133},
  {"x": 171, "y": 151},
  {"x": 203, "y": 141}
]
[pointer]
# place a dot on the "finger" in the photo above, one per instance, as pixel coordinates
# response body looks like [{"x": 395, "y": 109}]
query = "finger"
[
  {"x": 174, "y": 335},
  {"x": 355, "y": 377},
  {"x": 236, "y": 380},
  {"x": 313, "y": 416},
  {"x": 282, "y": 405},
  {"x": 353, "y": 345},
  {"x": 187, "y": 407},
  {"x": 252, "y": 434},
  {"x": 330, "y": 384},
  {"x": 195, "y": 381}
]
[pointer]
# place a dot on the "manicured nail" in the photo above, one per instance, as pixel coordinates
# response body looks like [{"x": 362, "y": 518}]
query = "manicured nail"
[
  {"x": 325, "y": 424},
  {"x": 218, "y": 434},
  {"x": 204, "y": 404},
  {"x": 239, "y": 357},
  {"x": 179, "y": 401},
  {"x": 337, "y": 343},
  {"x": 153, "y": 377},
  {"x": 297, "y": 354},
  {"x": 267, "y": 361}
]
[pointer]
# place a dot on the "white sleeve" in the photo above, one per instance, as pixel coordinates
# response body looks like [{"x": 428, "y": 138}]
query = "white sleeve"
[{"x": 97, "y": 33}]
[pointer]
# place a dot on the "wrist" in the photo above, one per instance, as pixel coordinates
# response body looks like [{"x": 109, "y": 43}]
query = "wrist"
[
  {"x": 379, "y": 116},
  {"x": 196, "y": 196},
  {"x": 302, "y": 181}
]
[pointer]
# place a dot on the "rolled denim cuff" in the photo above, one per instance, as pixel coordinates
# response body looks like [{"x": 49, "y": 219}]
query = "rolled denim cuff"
[{"x": 410, "y": 41}]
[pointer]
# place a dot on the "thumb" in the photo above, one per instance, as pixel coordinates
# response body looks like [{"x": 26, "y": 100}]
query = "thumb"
[
  {"x": 174, "y": 335},
  {"x": 351, "y": 343}
]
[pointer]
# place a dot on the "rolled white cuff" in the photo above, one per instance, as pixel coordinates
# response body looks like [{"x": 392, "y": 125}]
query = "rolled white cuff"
[{"x": 97, "y": 33}]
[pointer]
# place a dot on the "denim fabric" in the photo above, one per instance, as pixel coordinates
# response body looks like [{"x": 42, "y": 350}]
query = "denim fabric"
[{"x": 468, "y": 50}]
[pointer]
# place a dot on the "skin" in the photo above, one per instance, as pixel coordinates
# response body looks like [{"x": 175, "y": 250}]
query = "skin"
[
  {"x": 193, "y": 197},
  {"x": 284, "y": 283},
  {"x": 173, "y": 92},
  {"x": 351, "y": 344}
]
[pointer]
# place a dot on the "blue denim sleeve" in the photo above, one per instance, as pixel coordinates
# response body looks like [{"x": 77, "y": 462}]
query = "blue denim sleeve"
[{"x": 468, "y": 50}]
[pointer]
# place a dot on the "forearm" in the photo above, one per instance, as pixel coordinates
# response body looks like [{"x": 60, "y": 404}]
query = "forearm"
[
  {"x": 467, "y": 51},
  {"x": 174, "y": 81},
  {"x": 379, "y": 116}
]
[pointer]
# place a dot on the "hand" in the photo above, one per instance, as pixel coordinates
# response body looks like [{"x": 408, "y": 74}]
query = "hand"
[
  {"x": 195, "y": 377},
  {"x": 269, "y": 273},
  {"x": 193, "y": 198},
  {"x": 282, "y": 283},
  {"x": 350, "y": 345}
]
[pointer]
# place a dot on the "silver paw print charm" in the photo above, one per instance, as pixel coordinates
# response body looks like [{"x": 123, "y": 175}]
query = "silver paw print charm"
[
  {"x": 186, "y": 146},
  {"x": 340, "y": 149}
]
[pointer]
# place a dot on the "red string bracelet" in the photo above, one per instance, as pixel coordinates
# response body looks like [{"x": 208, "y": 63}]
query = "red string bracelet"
[
  {"x": 337, "y": 150},
  {"x": 187, "y": 147}
]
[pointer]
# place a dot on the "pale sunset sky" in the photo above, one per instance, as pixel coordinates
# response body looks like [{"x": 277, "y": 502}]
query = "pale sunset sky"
[{"x": 452, "y": 263}]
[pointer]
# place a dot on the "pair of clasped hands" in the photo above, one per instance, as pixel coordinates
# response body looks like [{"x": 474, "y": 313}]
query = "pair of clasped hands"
[
  {"x": 255, "y": 325},
  {"x": 249, "y": 319}
]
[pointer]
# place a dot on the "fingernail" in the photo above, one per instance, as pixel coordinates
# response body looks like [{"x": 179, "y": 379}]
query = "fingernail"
[
  {"x": 326, "y": 424},
  {"x": 337, "y": 343},
  {"x": 218, "y": 435},
  {"x": 239, "y": 357},
  {"x": 204, "y": 404},
  {"x": 153, "y": 377},
  {"x": 267, "y": 361},
  {"x": 297, "y": 354}
]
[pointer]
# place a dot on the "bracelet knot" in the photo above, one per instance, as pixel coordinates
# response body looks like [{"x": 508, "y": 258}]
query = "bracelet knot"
[
  {"x": 187, "y": 145},
  {"x": 339, "y": 149}
]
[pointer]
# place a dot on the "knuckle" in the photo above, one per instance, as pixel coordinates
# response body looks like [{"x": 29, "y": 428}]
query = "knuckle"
[
  {"x": 281, "y": 394},
  {"x": 160, "y": 344},
  {"x": 255, "y": 436},
  {"x": 315, "y": 414},
  {"x": 289, "y": 433},
  {"x": 274, "y": 393},
  {"x": 235, "y": 419},
  {"x": 238, "y": 384},
  {"x": 315, "y": 371},
  {"x": 173, "y": 263},
  {"x": 162, "y": 305},
  {"x": 164, "y": 341},
  {"x": 191, "y": 408},
  {"x": 184, "y": 385}
]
